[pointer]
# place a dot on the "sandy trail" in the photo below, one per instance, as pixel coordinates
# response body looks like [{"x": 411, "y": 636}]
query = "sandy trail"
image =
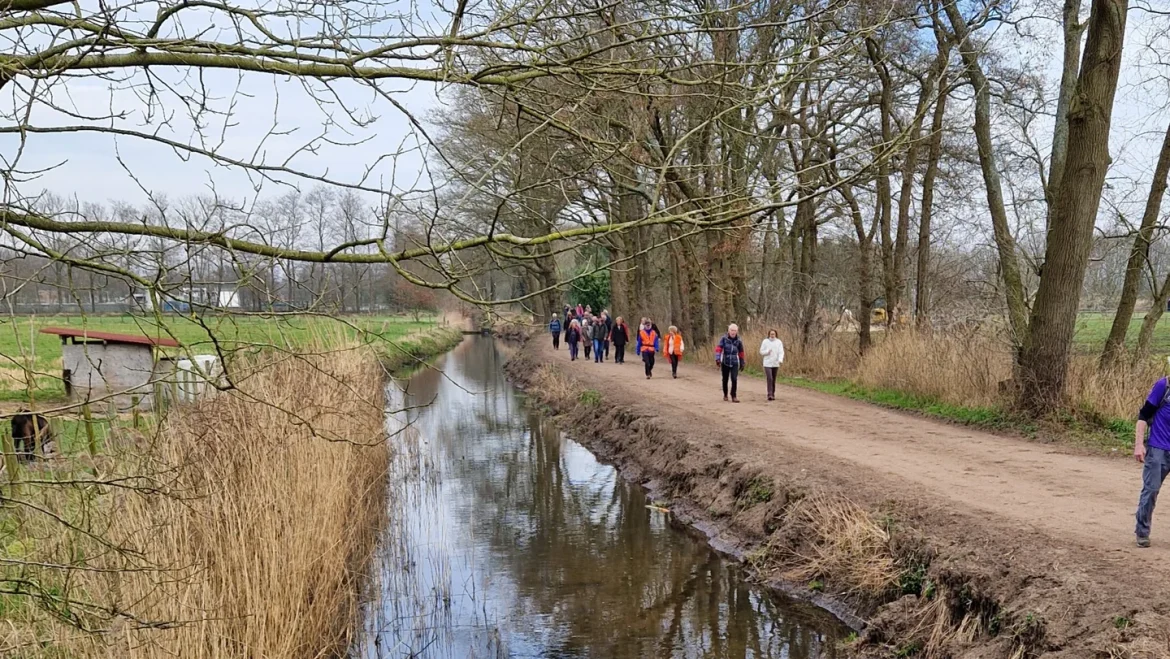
[{"x": 1088, "y": 500}]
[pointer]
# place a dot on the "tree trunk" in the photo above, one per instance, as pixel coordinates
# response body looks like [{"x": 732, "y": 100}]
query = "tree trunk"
[
  {"x": 1005, "y": 242},
  {"x": 619, "y": 276},
  {"x": 1070, "y": 17},
  {"x": 806, "y": 216},
  {"x": 884, "y": 196},
  {"x": 694, "y": 294},
  {"x": 922, "y": 277},
  {"x": 864, "y": 248},
  {"x": 1150, "y": 322},
  {"x": 1137, "y": 258},
  {"x": 1044, "y": 360}
]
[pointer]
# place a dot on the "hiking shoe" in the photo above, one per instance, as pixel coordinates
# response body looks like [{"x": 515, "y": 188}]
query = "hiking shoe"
[
  {"x": 725, "y": 399},
  {"x": 735, "y": 400},
  {"x": 1143, "y": 542}
]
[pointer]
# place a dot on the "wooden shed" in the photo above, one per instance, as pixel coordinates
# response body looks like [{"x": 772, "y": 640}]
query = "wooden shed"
[{"x": 119, "y": 368}]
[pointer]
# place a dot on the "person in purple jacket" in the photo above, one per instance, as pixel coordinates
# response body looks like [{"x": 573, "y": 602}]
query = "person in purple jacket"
[{"x": 1154, "y": 455}]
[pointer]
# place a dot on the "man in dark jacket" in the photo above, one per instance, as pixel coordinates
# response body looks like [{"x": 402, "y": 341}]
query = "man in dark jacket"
[
  {"x": 568, "y": 319},
  {"x": 729, "y": 355},
  {"x": 608, "y": 331},
  {"x": 554, "y": 328},
  {"x": 600, "y": 332},
  {"x": 620, "y": 335}
]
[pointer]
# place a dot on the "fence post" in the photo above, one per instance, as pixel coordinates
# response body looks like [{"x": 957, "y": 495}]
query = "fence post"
[{"x": 134, "y": 402}]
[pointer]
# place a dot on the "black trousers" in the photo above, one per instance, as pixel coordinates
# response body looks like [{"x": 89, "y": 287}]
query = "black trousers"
[
  {"x": 606, "y": 344},
  {"x": 771, "y": 373},
  {"x": 588, "y": 347},
  {"x": 648, "y": 360},
  {"x": 731, "y": 372},
  {"x": 674, "y": 364},
  {"x": 556, "y": 340},
  {"x": 619, "y": 353}
]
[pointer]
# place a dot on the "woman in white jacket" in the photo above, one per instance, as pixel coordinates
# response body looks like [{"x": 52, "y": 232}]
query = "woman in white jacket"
[{"x": 772, "y": 350}]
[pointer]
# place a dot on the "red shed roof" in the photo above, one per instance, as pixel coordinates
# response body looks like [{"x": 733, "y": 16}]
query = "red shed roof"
[{"x": 110, "y": 337}]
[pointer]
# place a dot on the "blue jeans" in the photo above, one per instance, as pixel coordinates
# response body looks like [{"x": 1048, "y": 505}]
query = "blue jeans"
[
  {"x": 1154, "y": 472},
  {"x": 597, "y": 350}
]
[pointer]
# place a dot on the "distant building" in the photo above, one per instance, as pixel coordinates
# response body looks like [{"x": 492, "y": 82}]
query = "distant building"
[{"x": 102, "y": 366}]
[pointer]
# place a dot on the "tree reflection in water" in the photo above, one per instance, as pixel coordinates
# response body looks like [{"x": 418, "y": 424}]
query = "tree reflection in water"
[{"x": 507, "y": 539}]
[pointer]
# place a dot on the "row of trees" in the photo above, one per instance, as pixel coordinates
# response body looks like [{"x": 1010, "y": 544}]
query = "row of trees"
[
  {"x": 191, "y": 274},
  {"x": 721, "y": 161}
]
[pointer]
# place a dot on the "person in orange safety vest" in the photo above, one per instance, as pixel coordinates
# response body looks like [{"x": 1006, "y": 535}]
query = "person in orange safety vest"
[{"x": 647, "y": 345}]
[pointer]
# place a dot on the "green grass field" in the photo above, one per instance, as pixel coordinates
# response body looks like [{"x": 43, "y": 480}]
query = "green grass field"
[
  {"x": 23, "y": 346},
  {"x": 1093, "y": 329}
]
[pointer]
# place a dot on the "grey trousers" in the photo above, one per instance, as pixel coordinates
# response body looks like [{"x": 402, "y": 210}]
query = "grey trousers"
[{"x": 1154, "y": 472}]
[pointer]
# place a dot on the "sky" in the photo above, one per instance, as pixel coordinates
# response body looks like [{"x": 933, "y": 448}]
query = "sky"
[
  {"x": 358, "y": 137},
  {"x": 270, "y": 118}
]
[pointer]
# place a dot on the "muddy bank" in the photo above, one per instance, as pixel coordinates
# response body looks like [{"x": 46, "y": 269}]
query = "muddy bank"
[{"x": 922, "y": 578}]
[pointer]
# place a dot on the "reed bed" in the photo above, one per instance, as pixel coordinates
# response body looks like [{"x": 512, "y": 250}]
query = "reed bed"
[{"x": 242, "y": 526}]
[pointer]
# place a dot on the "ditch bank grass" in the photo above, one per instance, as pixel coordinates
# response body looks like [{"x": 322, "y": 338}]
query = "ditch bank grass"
[
  {"x": 417, "y": 350},
  {"x": 241, "y": 526},
  {"x": 876, "y": 565}
]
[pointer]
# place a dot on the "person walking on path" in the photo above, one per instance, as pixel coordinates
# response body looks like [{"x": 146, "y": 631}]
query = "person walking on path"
[
  {"x": 730, "y": 358},
  {"x": 673, "y": 347},
  {"x": 599, "y": 334},
  {"x": 620, "y": 335},
  {"x": 608, "y": 330},
  {"x": 580, "y": 311},
  {"x": 772, "y": 350},
  {"x": 587, "y": 335},
  {"x": 554, "y": 328},
  {"x": 647, "y": 345},
  {"x": 573, "y": 338},
  {"x": 1154, "y": 454},
  {"x": 568, "y": 319}
]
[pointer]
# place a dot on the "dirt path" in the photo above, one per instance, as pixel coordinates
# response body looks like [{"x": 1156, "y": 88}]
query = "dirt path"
[{"x": 1083, "y": 499}]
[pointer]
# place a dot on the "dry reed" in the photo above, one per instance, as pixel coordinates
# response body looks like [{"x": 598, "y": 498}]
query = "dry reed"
[
  {"x": 252, "y": 540},
  {"x": 959, "y": 367},
  {"x": 842, "y": 543}
]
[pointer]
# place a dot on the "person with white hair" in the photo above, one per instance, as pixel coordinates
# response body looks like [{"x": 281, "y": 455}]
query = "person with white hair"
[{"x": 729, "y": 356}]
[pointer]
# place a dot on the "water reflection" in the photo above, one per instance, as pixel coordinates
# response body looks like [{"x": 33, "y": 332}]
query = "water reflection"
[{"x": 511, "y": 540}]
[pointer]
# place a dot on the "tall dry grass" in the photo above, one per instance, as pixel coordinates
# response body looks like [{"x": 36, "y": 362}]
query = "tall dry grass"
[
  {"x": 958, "y": 367},
  {"x": 243, "y": 526}
]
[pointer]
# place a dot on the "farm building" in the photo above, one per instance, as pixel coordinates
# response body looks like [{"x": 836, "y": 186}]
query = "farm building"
[{"x": 102, "y": 366}]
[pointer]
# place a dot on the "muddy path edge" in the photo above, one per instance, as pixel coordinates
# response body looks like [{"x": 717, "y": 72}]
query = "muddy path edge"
[{"x": 960, "y": 590}]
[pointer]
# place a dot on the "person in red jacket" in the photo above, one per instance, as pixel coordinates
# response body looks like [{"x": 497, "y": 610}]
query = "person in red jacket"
[
  {"x": 673, "y": 347},
  {"x": 647, "y": 345}
]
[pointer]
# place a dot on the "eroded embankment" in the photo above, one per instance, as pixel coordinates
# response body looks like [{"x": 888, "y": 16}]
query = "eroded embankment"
[{"x": 924, "y": 580}]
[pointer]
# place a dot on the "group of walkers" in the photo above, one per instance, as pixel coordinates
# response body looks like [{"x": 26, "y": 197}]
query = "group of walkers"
[{"x": 581, "y": 329}]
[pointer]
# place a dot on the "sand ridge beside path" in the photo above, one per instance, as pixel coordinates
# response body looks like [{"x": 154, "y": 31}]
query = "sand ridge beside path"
[{"x": 1083, "y": 498}]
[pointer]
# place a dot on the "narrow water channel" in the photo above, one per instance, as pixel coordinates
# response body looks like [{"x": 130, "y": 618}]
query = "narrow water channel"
[{"x": 509, "y": 539}]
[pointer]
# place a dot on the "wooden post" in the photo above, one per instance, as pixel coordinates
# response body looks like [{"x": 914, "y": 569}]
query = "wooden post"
[{"x": 134, "y": 401}]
